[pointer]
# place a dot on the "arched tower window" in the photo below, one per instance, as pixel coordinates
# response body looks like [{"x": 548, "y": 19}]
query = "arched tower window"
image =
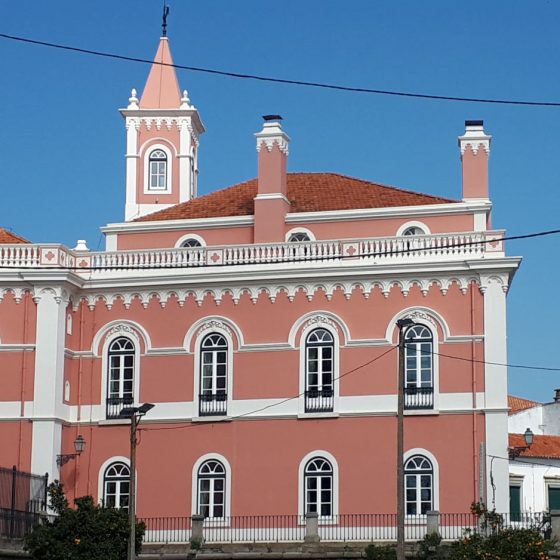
[
  {"x": 419, "y": 368},
  {"x": 120, "y": 376},
  {"x": 319, "y": 371},
  {"x": 211, "y": 489},
  {"x": 298, "y": 236},
  {"x": 318, "y": 487},
  {"x": 116, "y": 485},
  {"x": 191, "y": 242},
  {"x": 419, "y": 480},
  {"x": 157, "y": 165},
  {"x": 213, "y": 375},
  {"x": 413, "y": 230}
]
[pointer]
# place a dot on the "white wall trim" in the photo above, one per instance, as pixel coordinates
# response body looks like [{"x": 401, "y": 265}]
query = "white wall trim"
[
  {"x": 423, "y": 315},
  {"x": 124, "y": 326},
  {"x": 317, "y": 319},
  {"x": 215, "y": 323},
  {"x": 194, "y": 481}
]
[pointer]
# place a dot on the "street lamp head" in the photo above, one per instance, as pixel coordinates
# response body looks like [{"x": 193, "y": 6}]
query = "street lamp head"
[
  {"x": 79, "y": 444},
  {"x": 528, "y": 436},
  {"x": 146, "y": 407},
  {"x": 127, "y": 412},
  {"x": 403, "y": 323}
]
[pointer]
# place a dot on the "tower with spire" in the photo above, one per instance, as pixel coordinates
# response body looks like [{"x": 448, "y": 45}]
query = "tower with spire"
[{"x": 163, "y": 131}]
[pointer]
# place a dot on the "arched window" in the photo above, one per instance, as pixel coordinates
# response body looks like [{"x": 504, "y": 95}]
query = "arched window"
[
  {"x": 157, "y": 163},
  {"x": 319, "y": 371},
  {"x": 413, "y": 230},
  {"x": 418, "y": 477},
  {"x": 211, "y": 489},
  {"x": 191, "y": 242},
  {"x": 213, "y": 375},
  {"x": 298, "y": 236},
  {"x": 318, "y": 487},
  {"x": 419, "y": 368},
  {"x": 120, "y": 377},
  {"x": 116, "y": 485}
]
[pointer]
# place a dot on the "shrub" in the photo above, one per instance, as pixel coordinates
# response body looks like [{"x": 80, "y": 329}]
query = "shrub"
[
  {"x": 89, "y": 532},
  {"x": 508, "y": 544},
  {"x": 385, "y": 552}
]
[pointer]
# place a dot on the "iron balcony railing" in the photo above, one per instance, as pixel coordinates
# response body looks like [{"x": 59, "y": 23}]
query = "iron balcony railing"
[
  {"x": 116, "y": 404},
  {"x": 319, "y": 400},
  {"x": 418, "y": 398},
  {"x": 212, "y": 404}
]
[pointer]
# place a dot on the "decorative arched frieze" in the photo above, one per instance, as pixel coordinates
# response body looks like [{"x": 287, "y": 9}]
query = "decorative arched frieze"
[
  {"x": 423, "y": 315},
  {"x": 316, "y": 319},
  {"x": 120, "y": 327},
  {"x": 499, "y": 279},
  {"x": 218, "y": 324}
]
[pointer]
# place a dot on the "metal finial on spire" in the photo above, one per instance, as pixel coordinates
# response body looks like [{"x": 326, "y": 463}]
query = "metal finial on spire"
[{"x": 165, "y": 14}]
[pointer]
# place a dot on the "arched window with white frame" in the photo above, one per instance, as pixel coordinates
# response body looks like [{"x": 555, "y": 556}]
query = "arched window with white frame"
[
  {"x": 157, "y": 168},
  {"x": 319, "y": 487},
  {"x": 419, "y": 368},
  {"x": 211, "y": 489},
  {"x": 191, "y": 242},
  {"x": 116, "y": 485},
  {"x": 213, "y": 382},
  {"x": 319, "y": 371},
  {"x": 419, "y": 485},
  {"x": 120, "y": 375}
]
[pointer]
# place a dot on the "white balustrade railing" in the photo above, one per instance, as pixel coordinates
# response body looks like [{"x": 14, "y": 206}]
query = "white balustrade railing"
[{"x": 385, "y": 250}]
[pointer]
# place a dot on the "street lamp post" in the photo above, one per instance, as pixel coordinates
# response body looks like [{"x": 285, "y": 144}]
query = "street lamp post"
[
  {"x": 402, "y": 325},
  {"x": 135, "y": 414}
]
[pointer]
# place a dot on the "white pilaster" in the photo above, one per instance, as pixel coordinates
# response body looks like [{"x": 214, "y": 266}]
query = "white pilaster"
[
  {"x": 185, "y": 161},
  {"x": 495, "y": 380},
  {"x": 132, "y": 127},
  {"x": 48, "y": 407}
]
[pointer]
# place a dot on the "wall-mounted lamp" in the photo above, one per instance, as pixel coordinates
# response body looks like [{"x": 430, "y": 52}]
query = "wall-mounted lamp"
[
  {"x": 79, "y": 446},
  {"x": 528, "y": 436}
]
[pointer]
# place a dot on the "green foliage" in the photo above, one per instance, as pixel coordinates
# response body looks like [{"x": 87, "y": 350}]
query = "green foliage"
[
  {"x": 429, "y": 548},
  {"x": 375, "y": 552},
  {"x": 89, "y": 532},
  {"x": 488, "y": 520},
  {"x": 507, "y": 544}
]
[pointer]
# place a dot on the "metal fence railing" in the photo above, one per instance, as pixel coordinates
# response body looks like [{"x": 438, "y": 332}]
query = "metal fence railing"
[
  {"x": 23, "y": 496},
  {"x": 366, "y": 527}
]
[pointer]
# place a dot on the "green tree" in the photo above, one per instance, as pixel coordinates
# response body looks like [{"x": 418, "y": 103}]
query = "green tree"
[{"x": 87, "y": 532}]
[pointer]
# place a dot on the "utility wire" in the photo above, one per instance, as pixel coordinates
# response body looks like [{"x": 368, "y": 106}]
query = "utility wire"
[
  {"x": 517, "y": 366},
  {"x": 304, "y": 83},
  {"x": 353, "y": 370},
  {"x": 303, "y": 258}
]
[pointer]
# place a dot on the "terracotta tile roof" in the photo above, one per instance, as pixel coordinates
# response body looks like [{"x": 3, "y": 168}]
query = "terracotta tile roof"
[
  {"x": 8, "y": 237},
  {"x": 517, "y": 404},
  {"x": 307, "y": 192},
  {"x": 547, "y": 447}
]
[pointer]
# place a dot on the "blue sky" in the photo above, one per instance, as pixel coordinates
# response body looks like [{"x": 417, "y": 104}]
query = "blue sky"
[{"x": 62, "y": 140}]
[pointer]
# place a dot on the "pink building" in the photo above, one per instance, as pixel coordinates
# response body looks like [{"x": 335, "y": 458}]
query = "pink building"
[{"x": 260, "y": 320}]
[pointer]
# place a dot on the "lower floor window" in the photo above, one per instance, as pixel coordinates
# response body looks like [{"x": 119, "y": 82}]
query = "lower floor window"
[
  {"x": 319, "y": 487},
  {"x": 116, "y": 486},
  {"x": 211, "y": 489},
  {"x": 418, "y": 476}
]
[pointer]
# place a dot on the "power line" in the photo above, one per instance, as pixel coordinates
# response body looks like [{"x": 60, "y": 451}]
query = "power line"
[
  {"x": 304, "y": 257},
  {"x": 353, "y": 370},
  {"x": 303, "y": 83},
  {"x": 517, "y": 366}
]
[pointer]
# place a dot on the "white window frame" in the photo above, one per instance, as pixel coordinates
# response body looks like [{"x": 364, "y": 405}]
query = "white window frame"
[
  {"x": 319, "y": 453},
  {"x": 435, "y": 477},
  {"x": 310, "y": 325},
  {"x": 320, "y": 373},
  {"x": 181, "y": 240},
  {"x": 418, "y": 355},
  {"x": 194, "y": 492},
  {"x": 197, "y": 372},
  {"x": 411, "y": 224},
  {"x": 293, "y": 231},
  {"x": 147, "y": 150},
  {"x": 101, "y": 474}
]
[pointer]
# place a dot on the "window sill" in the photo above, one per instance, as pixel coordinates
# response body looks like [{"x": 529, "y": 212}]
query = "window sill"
[
  {"x": 304, "y": 415},
  {"x": 421, "y": 412},
  {"x": 115, "y": 422},
  {"x": 211, "y": 419}
]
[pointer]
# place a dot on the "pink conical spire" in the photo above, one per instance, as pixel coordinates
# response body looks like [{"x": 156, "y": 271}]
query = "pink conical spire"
[{"x": 162, "y": 88}]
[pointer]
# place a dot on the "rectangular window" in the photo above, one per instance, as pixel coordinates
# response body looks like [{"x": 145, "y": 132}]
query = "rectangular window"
[{"x": 515, "y": 502}]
